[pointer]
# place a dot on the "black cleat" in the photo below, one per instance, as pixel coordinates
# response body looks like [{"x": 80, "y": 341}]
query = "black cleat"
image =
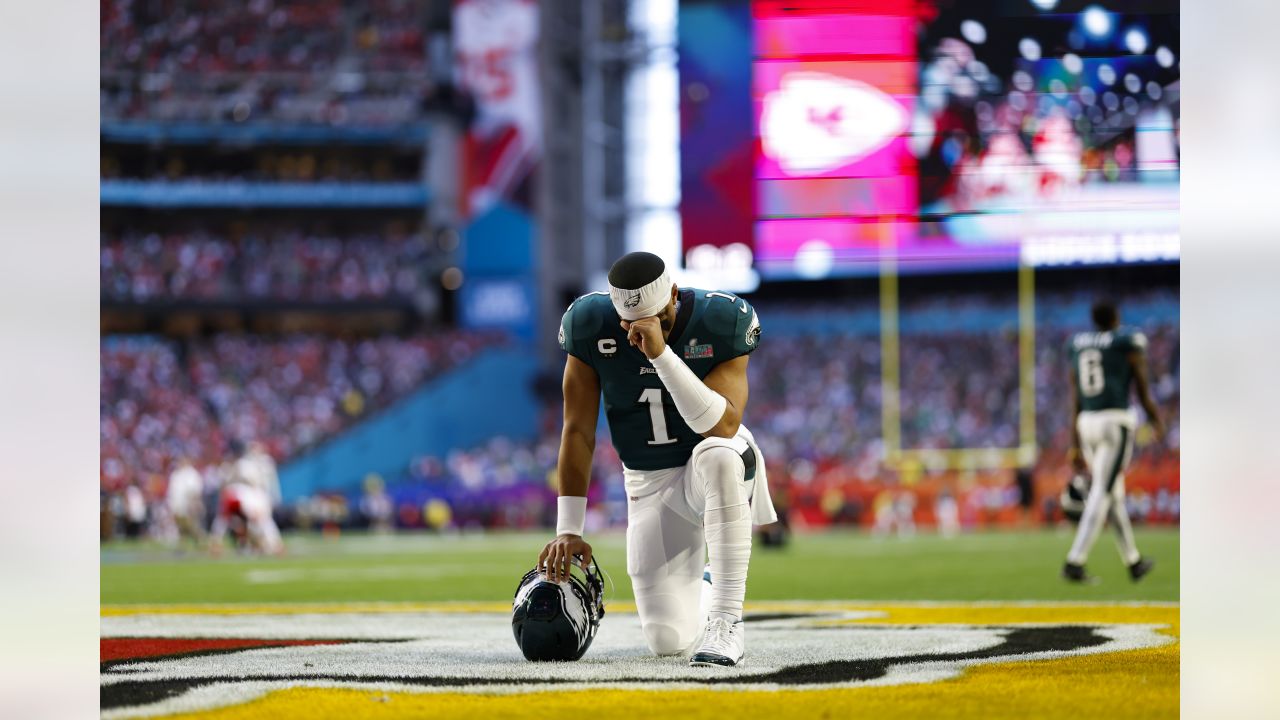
[
  {"x": 1076, "y": 574},
  {"x": 1140, "y": 568}
]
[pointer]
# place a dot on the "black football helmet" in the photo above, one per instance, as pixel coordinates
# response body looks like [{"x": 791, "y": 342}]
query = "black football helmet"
[
  {"x": 558, "y": 621},
  {"x": 1074, "y": 495}
]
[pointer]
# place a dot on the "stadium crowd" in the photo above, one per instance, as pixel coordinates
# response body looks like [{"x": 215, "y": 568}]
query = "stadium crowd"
[
  {"x": 322, "y": 61},
  {"x": 815, "y": 409},
  {"x": 162, "y": 401},
  {"x": 265, "y": 263}
]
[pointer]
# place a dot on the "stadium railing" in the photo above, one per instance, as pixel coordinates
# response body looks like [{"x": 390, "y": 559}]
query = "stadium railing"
[
  {"x": 238, "y": 193},
  {"x": 262, "y": 133}
]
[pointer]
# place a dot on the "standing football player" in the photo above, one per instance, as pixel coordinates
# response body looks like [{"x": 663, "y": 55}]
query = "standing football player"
[
  {"x": 185, "y": 498},
  {"x": 672, "y": 366},
  {"x": 1105, "y": 365}
]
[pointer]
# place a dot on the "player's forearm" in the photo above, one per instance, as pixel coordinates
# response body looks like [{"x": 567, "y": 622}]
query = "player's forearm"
[
  {"x": 573, "y": 471},
  {"x": 704, "y": 410},
  {"x": 573, "y": 475},
  {"x": 1149, "y": 406}
]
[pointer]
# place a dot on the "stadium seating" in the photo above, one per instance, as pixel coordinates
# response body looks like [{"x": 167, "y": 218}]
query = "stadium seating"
[
  {"x": 162, "y": 400},
  {"x": 302, "y": 62},
  {"x": 816, "y": 410},
  {"x": 266, "y": 263}
]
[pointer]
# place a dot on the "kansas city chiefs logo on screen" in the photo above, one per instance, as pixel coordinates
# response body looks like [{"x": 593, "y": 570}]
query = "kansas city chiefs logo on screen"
[{"x": 817, "y": 122}]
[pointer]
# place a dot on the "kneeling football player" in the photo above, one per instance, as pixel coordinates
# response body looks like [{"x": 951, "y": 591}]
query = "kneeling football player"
[{"x": 671, "y": 364}]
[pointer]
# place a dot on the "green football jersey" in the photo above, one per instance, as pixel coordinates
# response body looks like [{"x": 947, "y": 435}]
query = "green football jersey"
[
  {"x": 647, "y": 430},
  {"x": 1100, "y": 362}
]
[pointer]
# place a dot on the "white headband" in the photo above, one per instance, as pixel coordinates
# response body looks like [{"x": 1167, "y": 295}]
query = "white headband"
[{"x": 646, "y": 301}]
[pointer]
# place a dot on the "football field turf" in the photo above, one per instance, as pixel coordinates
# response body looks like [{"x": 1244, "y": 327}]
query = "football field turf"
[
  {"x": 829, "y": 566},
  {"x": 838, "y": 624}
]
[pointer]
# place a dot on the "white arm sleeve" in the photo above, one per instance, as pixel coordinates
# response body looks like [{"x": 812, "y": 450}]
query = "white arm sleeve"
[{"x": 700, "y": 406}]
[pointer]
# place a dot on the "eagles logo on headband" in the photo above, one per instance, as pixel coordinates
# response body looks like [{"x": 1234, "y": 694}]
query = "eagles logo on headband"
[{"x": 639, "y": 285}]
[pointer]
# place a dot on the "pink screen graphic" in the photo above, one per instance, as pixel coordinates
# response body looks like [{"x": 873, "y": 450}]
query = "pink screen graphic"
[{"x": 833, "y": 95}]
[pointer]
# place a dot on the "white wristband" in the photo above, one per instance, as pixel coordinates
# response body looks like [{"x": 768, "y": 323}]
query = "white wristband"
[
  {"x": 700, "y": 406},
  {"x": 571, "y": 515}
]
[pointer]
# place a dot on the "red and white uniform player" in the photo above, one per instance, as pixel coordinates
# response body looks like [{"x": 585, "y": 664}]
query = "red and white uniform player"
[{"x": 253, "y": 507}]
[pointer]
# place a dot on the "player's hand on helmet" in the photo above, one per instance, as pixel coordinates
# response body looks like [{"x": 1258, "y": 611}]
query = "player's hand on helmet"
[
  {"x": 646, "y": 334},
  {"x": 558, "y": 555}
]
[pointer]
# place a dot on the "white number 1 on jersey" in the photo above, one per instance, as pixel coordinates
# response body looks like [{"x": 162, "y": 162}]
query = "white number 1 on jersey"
[{"x": 653, "y": 396}]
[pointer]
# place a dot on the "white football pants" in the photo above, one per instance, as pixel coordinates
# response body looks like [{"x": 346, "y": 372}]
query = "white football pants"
[
  {"x": 699, "y": 509},
  {"x": 1106, "y": 440}
]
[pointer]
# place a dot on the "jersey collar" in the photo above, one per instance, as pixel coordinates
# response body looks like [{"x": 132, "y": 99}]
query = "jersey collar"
[{"x": 683, "y": 314}]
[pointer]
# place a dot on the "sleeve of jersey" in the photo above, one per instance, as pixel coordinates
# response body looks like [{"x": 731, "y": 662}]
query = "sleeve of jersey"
[
  {"x": 569, "y": 336},
  {"x": 746, "y": 334}
]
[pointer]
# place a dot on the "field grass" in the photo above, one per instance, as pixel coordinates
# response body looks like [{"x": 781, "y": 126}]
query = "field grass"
[{"x": 1013, "y": 565}]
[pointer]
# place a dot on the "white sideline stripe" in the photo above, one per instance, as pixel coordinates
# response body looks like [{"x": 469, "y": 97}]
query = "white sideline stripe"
[{"x": 341, "y": 574}]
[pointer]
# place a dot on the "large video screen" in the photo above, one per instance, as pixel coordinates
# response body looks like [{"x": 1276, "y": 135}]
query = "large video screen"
[{"x": 942, "y": 137}]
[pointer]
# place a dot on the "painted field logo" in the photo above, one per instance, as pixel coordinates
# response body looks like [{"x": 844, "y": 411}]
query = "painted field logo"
[{"x": 164, "y": 663}]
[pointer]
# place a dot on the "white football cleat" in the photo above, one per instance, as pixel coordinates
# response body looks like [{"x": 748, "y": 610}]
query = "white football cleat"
[{"x": 723, "y": 643}]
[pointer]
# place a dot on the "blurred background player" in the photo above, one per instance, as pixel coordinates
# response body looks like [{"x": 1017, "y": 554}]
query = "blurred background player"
[
  {"x": 185, "y": 499},
  {"x": 135, "y": 511},
  {"x": 694, "y": 479},
  {"x": 1105, "y": 365},
  {"x": 245, "y": 511},
  {"x": 257, "y": 468}
]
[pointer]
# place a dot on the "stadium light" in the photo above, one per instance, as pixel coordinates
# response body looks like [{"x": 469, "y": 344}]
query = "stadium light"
[
  {"x": 1029, "y": 48},
  {"x": 1072, "y": 63},
  {"x": 1107, "y": 74},
  {"x": 1136, "y": 41},
  {"x": 1045, "y": 5},
  {"x": 1164, "y": 56},
  {"x": 973, "y": 31},
  {"x": 1096, "y": 21}
]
